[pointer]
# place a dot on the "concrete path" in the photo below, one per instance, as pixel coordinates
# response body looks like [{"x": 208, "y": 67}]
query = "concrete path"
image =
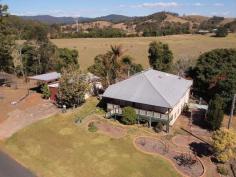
[{"x": 10, "y": 168}]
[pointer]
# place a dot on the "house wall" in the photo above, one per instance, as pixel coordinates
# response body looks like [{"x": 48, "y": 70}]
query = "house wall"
[
  {"x": 53, "y": 92},
  {"x": 177, "y": 110}
]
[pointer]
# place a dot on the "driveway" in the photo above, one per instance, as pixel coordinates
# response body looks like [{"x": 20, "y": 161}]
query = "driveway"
[
  {"x": 10, "y": 168},
  {"x": 30, "y": 110}
]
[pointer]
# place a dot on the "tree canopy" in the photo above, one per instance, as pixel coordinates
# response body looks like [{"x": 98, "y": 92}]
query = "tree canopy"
[
  {"x": 6, "y": 42},
  {"x": 160, "y": 56},
  {"x": 224, "y": 144},
  {"x": 222, "y": 32},
  {"x": 72, "y": 87},
  {"x": 111, "y": 66},
  {"x": 68, "y": 57},
  {"x": 214, "y": 74},
  {"x": 215, "y": 113}
]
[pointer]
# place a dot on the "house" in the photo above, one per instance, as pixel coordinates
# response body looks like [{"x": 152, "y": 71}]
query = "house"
[{"x": 156, "y": 96}]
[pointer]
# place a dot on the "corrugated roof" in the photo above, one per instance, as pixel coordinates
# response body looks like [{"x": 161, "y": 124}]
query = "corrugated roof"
[
  {"x": 150, "y": 87},
  {"x": 46, "y": 77}
]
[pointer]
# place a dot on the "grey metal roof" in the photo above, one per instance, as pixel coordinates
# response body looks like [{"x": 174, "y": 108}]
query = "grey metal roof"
[
  {"x": 150, "y": 87},
  {"x": 46, "y": 77}
]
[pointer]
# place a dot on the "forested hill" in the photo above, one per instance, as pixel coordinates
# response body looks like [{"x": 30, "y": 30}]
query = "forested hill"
[{"x": 157, "y": 24}]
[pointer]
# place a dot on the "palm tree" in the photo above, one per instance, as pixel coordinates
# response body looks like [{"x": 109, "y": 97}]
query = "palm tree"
[{"x": 117, "y": 51}]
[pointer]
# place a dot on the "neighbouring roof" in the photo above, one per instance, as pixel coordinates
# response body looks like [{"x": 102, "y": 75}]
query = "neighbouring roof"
[
  {"x": 150, "y": 87},
  {"x": 54, "y": 85},
  {"x": 46, "y": 77}
]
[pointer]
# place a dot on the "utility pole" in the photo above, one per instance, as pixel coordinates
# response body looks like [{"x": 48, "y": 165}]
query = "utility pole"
[{"x": 232, "y": 111}]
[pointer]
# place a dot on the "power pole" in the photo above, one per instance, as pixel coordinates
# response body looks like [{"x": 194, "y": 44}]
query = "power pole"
[{"x": 232, "y": 111}]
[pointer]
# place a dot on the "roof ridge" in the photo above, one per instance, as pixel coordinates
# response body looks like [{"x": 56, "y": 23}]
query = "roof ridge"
[{"x": 156, "y": 89}]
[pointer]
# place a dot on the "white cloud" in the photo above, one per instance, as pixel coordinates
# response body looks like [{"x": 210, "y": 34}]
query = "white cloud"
[
  {"x": 198, "y": 4},
  {"x": 157, "y": 5},
  {"x": 218, "y": 4}
]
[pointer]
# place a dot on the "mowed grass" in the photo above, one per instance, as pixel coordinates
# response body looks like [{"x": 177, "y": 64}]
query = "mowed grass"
[
  {"x": 183, "y": 46},
  {"x": 56, "y": 147}
]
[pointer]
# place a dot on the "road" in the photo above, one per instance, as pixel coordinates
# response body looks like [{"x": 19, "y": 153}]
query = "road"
[{"x": 10, "y": 168}]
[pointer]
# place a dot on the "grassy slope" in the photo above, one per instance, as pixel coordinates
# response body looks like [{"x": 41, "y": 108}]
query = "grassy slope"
[
  {"x": 183, "y": 46},
  {"x": 55, "y": 147}
]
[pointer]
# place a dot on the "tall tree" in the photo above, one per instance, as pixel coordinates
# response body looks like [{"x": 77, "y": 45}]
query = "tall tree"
[
  {"x": 160, "y": 56},
  {"x": 128, "y": 67},
  {"x": 72, "y": 88},
  {"x": 215, "y": 113},
  {"x": 102, "y": 67},
  {"x": 68, "y": 57},
  {"x": 116, "y": 51},
  {"x": 214, "y": 74},
  {"x": 6, "y": 42}
]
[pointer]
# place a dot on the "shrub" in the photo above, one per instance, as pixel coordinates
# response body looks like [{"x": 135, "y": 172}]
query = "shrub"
[
  {"x": 222, "y": 32},
  {"x": 45, "y": 91},
  {"x": 92, "y": 127},
  {"x": 159, "y": 127},
  {"x": 129, "y": 116},
  {"x": 222, "y": 170},
  {"x": 224, "y": 144}
]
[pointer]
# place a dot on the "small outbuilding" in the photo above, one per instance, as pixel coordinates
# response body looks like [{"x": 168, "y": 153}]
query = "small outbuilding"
[
  {"x": 46, "y": 78},
  {"x": 156, "y": 96}
]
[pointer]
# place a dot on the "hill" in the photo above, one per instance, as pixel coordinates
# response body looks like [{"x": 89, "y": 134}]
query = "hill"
[
  {"x": 70, "y": 20},
  {"x": 157, "y": 24},
  {"x": 54, "y": 20}
]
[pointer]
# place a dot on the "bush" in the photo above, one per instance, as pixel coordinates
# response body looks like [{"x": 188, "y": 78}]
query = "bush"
[
  {"x": 222, "y": 32},
  {"x": 45, "y": 92},
  {"x": 224, "y": 144},
  {"x": 129, "y": 116},
  {"x": 92, "y": 127},
  {"x": 159, "y": 127},
  {"x": 222, "y": 170}
]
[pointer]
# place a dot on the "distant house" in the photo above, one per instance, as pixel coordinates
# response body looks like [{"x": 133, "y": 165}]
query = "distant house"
[
  {"x": 203, "y": 31},
  {"x": 156, "y": 96}
]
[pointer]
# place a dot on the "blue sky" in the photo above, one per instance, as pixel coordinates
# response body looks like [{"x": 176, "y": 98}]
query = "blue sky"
[{"x": 92, "y": 8}]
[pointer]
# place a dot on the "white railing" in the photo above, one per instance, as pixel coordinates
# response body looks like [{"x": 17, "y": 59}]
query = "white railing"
[{"x": 115, "y": 109}]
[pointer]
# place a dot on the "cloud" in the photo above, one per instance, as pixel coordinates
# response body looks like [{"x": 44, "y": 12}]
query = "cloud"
[
  {"x": 198, "y": 4},
  {"x": 218, "y": 4},
  {"x": 157, "y": 5}
]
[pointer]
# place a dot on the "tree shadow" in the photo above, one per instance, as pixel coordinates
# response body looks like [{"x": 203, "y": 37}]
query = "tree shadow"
[
  {"x": 201, "y": 149},
  {"x": 199, "y": 119}
]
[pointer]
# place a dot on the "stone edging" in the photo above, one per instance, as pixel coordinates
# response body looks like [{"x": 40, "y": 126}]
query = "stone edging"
[{"x": 169, "y": 160}]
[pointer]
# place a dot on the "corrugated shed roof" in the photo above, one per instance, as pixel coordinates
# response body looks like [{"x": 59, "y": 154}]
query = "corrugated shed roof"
[
  {"x": 150, "y": 87},
  {"x": 46, "y": 77}
]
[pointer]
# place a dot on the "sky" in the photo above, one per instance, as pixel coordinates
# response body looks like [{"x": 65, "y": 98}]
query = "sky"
[{"x": 92, "y": 8}]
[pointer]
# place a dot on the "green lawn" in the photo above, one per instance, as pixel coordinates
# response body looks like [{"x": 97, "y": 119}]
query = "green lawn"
[{"x": 56, "y": 147}]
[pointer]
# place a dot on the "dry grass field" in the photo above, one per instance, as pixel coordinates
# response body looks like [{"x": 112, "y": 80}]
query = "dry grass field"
[{"x": 183, "y": 46}]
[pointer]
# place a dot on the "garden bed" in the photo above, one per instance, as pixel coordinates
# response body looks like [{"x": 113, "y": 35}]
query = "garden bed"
[
  {"x": 184, "y": 140},
  {"x": 111, "y": 130},
  {"x": 155, "y": 146}
]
